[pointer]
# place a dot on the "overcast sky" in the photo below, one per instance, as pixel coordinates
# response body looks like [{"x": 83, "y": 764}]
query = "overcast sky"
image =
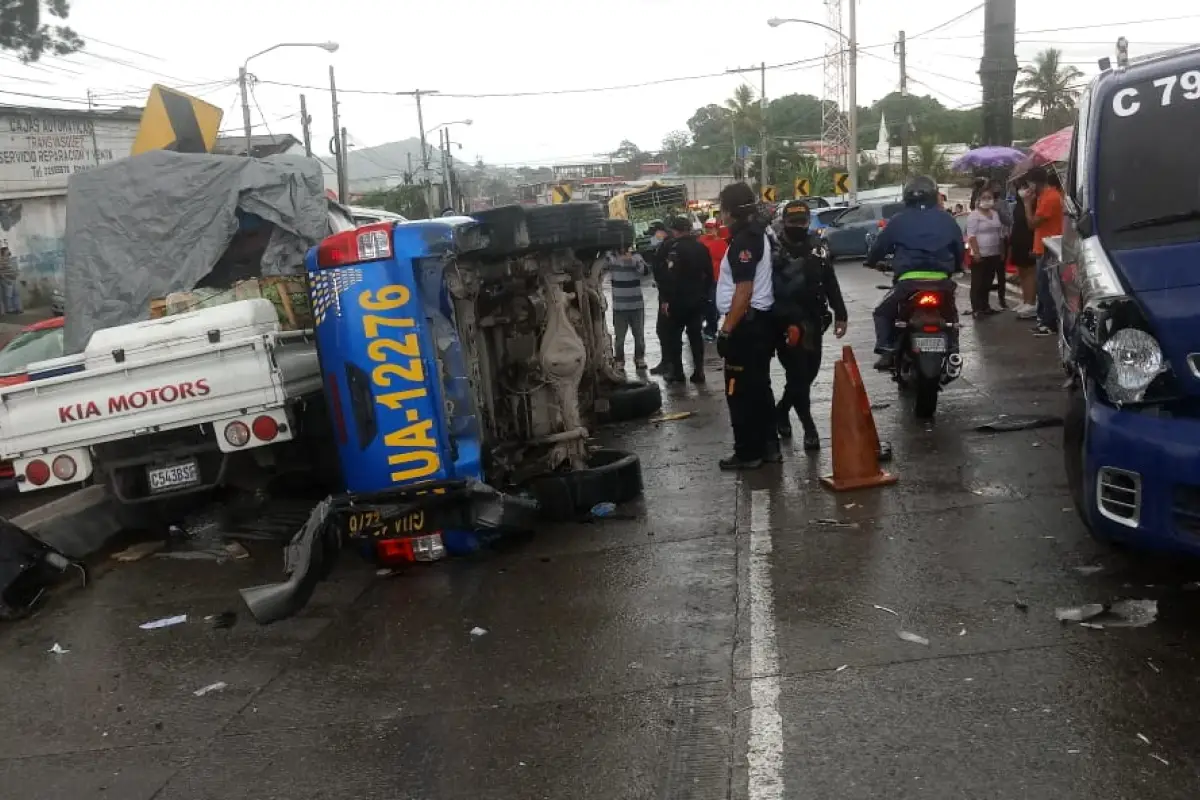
[{"x": 507, "y": 46}]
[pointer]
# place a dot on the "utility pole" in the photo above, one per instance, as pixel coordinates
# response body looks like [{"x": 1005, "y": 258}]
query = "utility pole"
[
  {"x": 852, "y": 156},
  {"x": 762, "y": 112},
  {"x": 408, "y": 176},
  {"x": 92, "y": 125},
  {"x": 344, "y": 184},
  {"x": 444, "y": 146},
  {"x": 305, "y": 122},
  {"x": 338, "y": 153},
  {"x": 416, "y": 95},
  {"x": 905, "y": 120},
  {"x": 762, "y": 107},
  {"x": 998, "y": 70},
  {"x": 242, "y": 78}
]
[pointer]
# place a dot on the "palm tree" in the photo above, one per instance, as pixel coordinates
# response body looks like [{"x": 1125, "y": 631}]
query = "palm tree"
[
  {"x": 745, "y": 109},
  {"x": 929, "y": 159},
  {"x": 1049, "y": 86}
]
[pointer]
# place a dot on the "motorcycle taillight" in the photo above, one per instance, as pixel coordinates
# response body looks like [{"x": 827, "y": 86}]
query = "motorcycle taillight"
[{"x": 928, "y": 300}]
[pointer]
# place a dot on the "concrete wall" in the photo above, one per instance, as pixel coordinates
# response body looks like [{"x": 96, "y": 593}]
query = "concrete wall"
[{"x": 39, "y": 151}]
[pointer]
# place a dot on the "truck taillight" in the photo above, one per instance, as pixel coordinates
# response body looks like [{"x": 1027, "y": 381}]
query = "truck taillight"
[
  {"x": 37, "y": 472},
  {"x": 265, "y": 428},
  {"x": 368, "y": 243},
  {"x": 237, "y": 434},
  {"x": 64, "y": 467},
  {"x": 882, "y": 224}
]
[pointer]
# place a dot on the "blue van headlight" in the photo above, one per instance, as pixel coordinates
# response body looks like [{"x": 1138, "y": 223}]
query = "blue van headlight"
[{"x": 1134, "y": 360}]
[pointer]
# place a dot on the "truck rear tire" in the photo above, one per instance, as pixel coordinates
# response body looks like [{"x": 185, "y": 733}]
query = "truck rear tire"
[
  {"x": 629, "y": 401},
  {"x": 612, "y": 476},
  {"x": 508, "y": 231},
  {"x": 567, "y": 225}
]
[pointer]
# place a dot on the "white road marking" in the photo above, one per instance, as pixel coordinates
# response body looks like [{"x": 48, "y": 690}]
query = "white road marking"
[{"x": 765, "y": 751}]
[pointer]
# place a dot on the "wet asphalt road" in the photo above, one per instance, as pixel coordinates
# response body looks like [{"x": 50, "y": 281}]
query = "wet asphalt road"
[{"x": 691, "y": 651}]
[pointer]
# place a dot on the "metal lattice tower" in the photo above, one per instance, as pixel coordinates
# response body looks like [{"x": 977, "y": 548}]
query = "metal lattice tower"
[{"x": 835, "y": 130}]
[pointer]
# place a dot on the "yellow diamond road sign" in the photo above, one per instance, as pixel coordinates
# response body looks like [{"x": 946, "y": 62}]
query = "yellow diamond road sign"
[
  {"x": 840, "y": 185},
  {"x": 561, "y": 193},
  {"x": 176, "y": 121},
  {"x": 802, "y": 187},
  {"x": 768, "y": 194}
]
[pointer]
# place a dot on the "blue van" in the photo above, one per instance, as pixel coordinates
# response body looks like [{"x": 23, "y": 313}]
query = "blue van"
[{"x": 1128, "y": 292}]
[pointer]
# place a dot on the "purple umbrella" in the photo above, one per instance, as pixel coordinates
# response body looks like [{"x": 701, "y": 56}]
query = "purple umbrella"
[{"x": 991, "y": 157}]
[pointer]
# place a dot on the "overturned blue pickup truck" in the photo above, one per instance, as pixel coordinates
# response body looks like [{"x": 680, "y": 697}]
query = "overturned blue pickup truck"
[{"x": 465, "y": 361}]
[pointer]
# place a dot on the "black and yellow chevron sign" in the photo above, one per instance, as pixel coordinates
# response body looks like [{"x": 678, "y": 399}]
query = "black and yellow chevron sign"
[{"x": 176, "y": 121}]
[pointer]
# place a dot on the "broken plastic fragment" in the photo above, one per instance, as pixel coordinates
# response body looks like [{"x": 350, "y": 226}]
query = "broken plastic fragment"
[
  {"x": 888, "y": 610},
  {"x": 1078, "y": 613},
  {"x": 1153, "y": 666},
  {"x": 1006, "y": 424},
  {"x": 672, "y": 417},
  {"x": 833, "y": 523},
  {"x": 962, "y": 632},
  {"x": 1131, "y": 613},
  {"x": 212, "y": 687},
  {"x": 1157, "y": 757},
  {"x": 1089, "y": 569},
  {"x": 842, "y": 667},
  {"x": 1093, "y": 625},
  {"x": 1142, "y": 736},
  {"x": 603, "y": 509},
  {"x": 912, "y": 637},
  {"x": 477, "y": 631},
  {"x": 58, "y": 650},
  {"x": 165, "y": 622}
]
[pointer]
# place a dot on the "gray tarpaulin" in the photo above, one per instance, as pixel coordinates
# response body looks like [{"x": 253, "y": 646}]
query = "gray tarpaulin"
[{"x": 157, "y": 223}]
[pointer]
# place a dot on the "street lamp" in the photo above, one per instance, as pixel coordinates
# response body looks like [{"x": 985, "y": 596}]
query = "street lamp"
[
  {"x": 852, "y": 45},
  {"x": 329, "y": 47},
  {"x": 448, "y": 124}
]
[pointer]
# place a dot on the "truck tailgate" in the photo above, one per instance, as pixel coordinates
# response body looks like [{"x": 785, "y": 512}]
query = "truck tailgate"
[{"x": 116, "y": 402}]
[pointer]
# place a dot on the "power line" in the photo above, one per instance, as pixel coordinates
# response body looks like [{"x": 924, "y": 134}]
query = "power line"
[
  {"x": 122, "y": 47},
  {"x": 1113, "y": 24},
  {"x": 948, "y": 22}
]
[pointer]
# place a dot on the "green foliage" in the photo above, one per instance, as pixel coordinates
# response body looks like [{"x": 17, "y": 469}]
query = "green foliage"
[
  {"x": 1050, "y": 87},
  {"x": 23, "y": 29},
  {"x": 407, "y": 200}
]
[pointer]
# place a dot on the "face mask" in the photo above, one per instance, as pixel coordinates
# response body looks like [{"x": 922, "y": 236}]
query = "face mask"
[{"x": 986, "y": 204}]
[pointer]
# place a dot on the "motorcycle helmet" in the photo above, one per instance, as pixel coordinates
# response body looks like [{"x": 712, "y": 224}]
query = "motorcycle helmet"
[
  {"x": 920, "y": 191},
  {"x": 796, "y": 217}
]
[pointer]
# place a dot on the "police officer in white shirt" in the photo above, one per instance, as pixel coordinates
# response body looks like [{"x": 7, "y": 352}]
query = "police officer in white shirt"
[{"x": 746, "y": 341}]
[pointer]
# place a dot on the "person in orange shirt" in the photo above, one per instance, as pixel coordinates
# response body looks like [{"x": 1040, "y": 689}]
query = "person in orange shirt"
[
  {"x": 717, "y": 241},
  {"x": 1044, "y": 210}
]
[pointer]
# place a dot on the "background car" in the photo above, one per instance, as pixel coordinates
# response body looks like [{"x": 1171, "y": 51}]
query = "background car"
[
  {"x": 846, "y": 234},
  {"x": 38, "y": 342},
  {"x": 821, "y": 217}
]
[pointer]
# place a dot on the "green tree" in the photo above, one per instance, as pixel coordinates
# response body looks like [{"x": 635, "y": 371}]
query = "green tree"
[
  {"x": 746, "y": 112},
  {"x": 930, "y": 159},
  {"x": 23, "y": 29},
  {"x": 408, "y": 200},
  {"x": 1049, "y": 86},
  {"x": 673, "y": 146}
]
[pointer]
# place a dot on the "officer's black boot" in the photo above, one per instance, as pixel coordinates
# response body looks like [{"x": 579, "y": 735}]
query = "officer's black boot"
[
  {"x": 734, "y": 464},
  {"x": 783, "y": 422},
  {"x": 885, "y": 362}
]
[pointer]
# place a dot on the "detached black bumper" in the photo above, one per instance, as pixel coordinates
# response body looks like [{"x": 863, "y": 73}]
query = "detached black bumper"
[{"x": 415, "y": 517}]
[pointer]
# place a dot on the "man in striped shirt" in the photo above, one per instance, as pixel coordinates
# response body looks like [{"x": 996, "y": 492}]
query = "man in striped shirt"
[{"x": 625, "y": 271}]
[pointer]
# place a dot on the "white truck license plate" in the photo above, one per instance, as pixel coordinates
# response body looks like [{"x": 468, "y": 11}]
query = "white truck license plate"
[
  {"x": 929, "y": 344},
  {"x": 186, "y": 473}
]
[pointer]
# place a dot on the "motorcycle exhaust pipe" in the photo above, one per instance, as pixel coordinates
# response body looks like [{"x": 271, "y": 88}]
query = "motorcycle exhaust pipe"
[{"x": 953, "y": 369}]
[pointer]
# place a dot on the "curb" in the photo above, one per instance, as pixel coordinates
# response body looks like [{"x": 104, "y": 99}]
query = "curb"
[{"x": 77, "y": 525}]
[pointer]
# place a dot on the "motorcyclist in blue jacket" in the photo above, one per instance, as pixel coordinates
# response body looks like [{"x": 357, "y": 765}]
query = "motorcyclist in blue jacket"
[{"x": 926, "y": 245}]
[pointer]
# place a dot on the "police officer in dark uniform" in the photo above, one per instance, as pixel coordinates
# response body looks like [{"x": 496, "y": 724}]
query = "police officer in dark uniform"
[
  {"x": 689, "y": 265},
  {"x": 806, "y": 288},
  {"x": 663, "y": 244},
  {"x": 747, "y": 337}
]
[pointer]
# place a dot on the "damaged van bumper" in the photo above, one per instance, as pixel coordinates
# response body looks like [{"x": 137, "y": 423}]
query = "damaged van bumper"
[{"x": 409, "y": 524}]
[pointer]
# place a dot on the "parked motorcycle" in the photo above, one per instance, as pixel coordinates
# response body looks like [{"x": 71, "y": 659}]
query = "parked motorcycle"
[{"x": 925, "y": 358}]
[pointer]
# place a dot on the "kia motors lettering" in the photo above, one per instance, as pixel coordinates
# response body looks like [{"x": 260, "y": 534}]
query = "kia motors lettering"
[
  {"x": 399, "y": 376},
  {"x": 135, "y": 401}
]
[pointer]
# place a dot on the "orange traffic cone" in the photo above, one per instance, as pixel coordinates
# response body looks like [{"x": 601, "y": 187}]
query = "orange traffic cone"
[
  {"x": 855, "y": 446},
  {"x": 884, "y": 451}
]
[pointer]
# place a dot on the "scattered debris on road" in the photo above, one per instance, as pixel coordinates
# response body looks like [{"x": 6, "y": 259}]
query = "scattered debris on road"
[
  {"x": 962, "y": 632},
  {"x": 1142, "y": 736},
  {"x": 1090, "y": 569},
  {"x": 212, "y": 687},
  {"x": 1121, "y": 614},
  {"x": 833, "y": 523},
  {"x": 1157, "y": 757},
  {"x": 912, "y": 637},
  {"x": 1021, "y": 605},
  {"x": 601, "y": 510},
  {"x": 165, "y": 622},
  {"x": 1153, "y": 666},
  {"x": 1009, "y": 424},
  {"x": 477, "y": 631},
  {"x": 225, "y": 619},
  {"x": 880, "y": 406},
  {"x": 885, "y": 608},
  {"x": 674, "y": 416},
  {"x": 139, "y": 551},
  {"x": 842, "y": 667},
  {"x": 58, "y": 650}
]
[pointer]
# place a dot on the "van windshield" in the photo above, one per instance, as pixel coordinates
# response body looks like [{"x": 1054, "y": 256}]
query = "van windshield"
[{"x": 1147, "y": 189}]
